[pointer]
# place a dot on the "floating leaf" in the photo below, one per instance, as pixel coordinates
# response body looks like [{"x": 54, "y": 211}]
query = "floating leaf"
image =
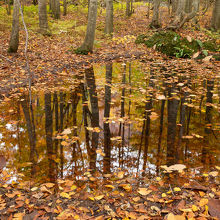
[{"x": 66, "y": 131}]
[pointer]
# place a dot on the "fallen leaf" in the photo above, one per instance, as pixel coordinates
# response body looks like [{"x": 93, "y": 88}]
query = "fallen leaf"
[
  {"x": 144, "y": 191},
  {"x": 214, "y": 208},
  {"x": 203, "y": 202}
]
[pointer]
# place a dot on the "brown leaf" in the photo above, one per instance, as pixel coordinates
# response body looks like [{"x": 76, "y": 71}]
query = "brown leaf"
[
  {"x": 2, "y": 162},
  {"x": 214, "y": 208}
]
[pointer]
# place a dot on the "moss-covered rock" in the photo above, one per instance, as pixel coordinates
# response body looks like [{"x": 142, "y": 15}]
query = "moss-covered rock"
[
  {"x": 172, "y": 44},
  {"x": 211, "y": 45}
]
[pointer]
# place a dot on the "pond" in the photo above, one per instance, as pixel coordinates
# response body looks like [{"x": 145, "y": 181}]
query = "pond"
[{"x": 117, "y": 116}]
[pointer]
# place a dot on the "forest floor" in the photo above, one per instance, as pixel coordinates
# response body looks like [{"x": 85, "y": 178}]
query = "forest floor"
[{"x": 178, "y": 195}]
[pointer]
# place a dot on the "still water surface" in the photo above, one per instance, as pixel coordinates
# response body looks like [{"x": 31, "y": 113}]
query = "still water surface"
[{"x": 126, "y": 116}]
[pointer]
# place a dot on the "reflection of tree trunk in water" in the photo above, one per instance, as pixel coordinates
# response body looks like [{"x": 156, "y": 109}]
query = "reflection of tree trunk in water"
[
  {"x": 18, "y": 130},
  {"x": 171, "y": 127},
  {"x": 129, "y": 109},
  {"x": 85, "y": 114},
  {"x": 181, "y": 127},
  {"x": 148, "y": 108},
  {"x": 75, "y": 100},
  {"x": 49, "y": 133},
  {"x": 90, "y": 79},
  {"x": 122, "y": 124},
  {"x": 61, "y": 129},
  {"x": 189, "y": 112},
  {"x": 107, "y": 135},
  {"x": 56, "y": 111},
  {"x": 206, "y": 159},
  {"x": 29, "y": 117},
  {"x": 160, "y": 134}
]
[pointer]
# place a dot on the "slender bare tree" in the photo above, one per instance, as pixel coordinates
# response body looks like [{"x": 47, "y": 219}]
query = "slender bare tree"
[
  {"x": 55, "y": 7},
  {"x": 43, "y": 23},
  {"x": 109, "y": 17},
  {"x": 14, "y": 39}
]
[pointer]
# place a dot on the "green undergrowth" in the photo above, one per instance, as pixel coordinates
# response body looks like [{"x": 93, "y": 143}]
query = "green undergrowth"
[{"x": 172, "y": 44}]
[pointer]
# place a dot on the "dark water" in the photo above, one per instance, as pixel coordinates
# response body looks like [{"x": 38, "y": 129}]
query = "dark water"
[{"x": 130, "y": 116}]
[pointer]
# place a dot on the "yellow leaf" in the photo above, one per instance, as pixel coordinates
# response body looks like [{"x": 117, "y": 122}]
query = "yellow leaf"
[
  {"x": 164, "y": 195},
  {"x": 205, "y": 174},
  {"x": 92, "y": 178},
  {"x": 121, "y": 175},
  {"x": 144, "y": 191},
  {"x": 195, "y": 208},
  {"x": 65, "y": 195},
  {"x": 171, "y": 216},
  {"x": 177, "y": 189},
  {"x": 73, "y": 187},
  {"x": 49, "y": 185},
  {"x": 201, "y": 193},
  {"x": 213, "y": 173},
  {"x": 217, "y": 167},
  {"x": 136, "y": 199},
  {"x": 92, "y": 198},
  {"x": 158, "y": 179},
  {"x": 127, "y": 187},
  {"x": 109, "y": 186},
  {"x": 18, "y": 216},
  {"x": 34, "y": 189},
  {"x": 203, "y": 202},
  {"x": 99, "y": 197}
]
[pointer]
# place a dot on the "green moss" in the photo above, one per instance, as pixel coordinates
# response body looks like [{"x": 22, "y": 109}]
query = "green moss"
[
  {"x": 210, "y": 45},
  {"x": 216, "y": 57},
  {"x": 81, "y": 51},
  {"x": 171, "y": 44}
]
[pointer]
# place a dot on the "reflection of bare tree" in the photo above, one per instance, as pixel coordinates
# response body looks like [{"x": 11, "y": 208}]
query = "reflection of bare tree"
[
  {"x": 122, "y": 124},
  {"x": 74, "y": 101},
  {"x": 146, "y": 127},
  {"x": 182, "y": 125},
  {"x": 107, "y": 135},
  {"x": 172, "y": 109},
  {"x": 61, "y": 129},
  {"x": 206, "y": 159},
  {"x": 94, "y": 116},
  {"x": 49, "y": 133},
  {"x": 29, "y": 117},
  {"x": 160, "y": 133}
]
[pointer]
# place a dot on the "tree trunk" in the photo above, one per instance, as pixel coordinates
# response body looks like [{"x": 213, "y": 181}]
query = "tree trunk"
[
  {"x": 64, "y": 8},
  {"x": 14, "y": 40},
  {"x": 43, "y": 24},
  {"x": 181, "y": 17},
  {"x": 87, "y": 46},
  {"x": 109, "y": 17},
  {"x": 128, "y": 8},
  {"x": 188, "y": 6},
  {"x": 156, "y": 12},
  {"x": 215, "y": 23},
  {"x": 55, "y": 7}
]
